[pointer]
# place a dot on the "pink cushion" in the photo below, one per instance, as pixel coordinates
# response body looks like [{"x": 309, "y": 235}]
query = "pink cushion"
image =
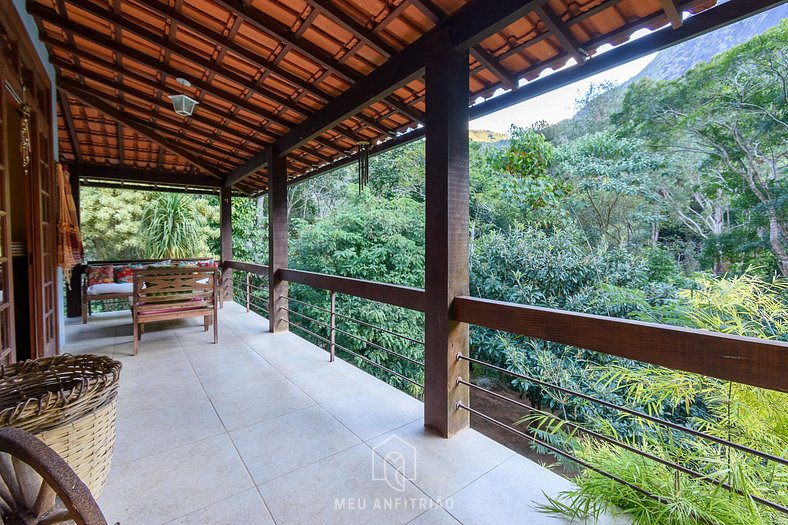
[{"x": 169, "y": 310}]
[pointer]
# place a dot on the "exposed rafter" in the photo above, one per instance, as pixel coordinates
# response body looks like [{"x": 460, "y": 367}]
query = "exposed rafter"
[
  {"x": 557, "y": 28},
  {"x": 697, "y": 25},
  {"x": 693, "y": 27},
  {"x": 341, "y": 18},
  {"x": 488, "y": 61},
  {"x": 673, "y": 12},
  {"x": 269, "y": 66},
  {"x": 314, "y": 52},
  {"x": 69, "y": 120}
]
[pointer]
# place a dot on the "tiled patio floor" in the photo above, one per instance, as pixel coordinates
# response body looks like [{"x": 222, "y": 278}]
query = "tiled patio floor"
[{"x": 262, "y": 429}]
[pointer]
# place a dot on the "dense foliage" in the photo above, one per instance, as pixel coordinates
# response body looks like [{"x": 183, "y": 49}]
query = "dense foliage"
[{"x": 663, "y": 202}]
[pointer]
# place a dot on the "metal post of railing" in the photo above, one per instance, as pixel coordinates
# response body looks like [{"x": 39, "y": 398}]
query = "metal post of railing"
[
  {"x": 248, "y": 291},
  {"x": 333, "y": 326}
]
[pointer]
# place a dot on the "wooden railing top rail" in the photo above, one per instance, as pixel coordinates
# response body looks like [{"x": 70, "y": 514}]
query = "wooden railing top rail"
[
  {"x": 748, "y": 360},
  {"x": 403, "y": 296},
  {"x": 257, "y": 269}
]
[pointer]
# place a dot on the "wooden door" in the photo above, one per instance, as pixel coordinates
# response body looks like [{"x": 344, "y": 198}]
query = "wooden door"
[
  {"x": 43, "y": 226},
  {"x": 7, "y": 345}
]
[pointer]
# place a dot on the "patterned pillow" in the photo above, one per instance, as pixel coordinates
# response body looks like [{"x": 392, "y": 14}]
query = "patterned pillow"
[
  {"x": 100, "y": 275},
  {"x": 207, "y": 263},
  {"x": 186, "y": 264},
  {"x": 123, "y": 274},
  {"x": 161, "y": 264}
]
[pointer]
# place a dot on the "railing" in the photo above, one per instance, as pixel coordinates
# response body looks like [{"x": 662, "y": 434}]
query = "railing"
[{"x": 745, "y": 360}]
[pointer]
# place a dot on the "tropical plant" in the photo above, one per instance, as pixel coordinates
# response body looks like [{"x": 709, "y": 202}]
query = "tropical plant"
[
  {"x": 750, "y": 416},
  {"x": 171, "y": 227}
]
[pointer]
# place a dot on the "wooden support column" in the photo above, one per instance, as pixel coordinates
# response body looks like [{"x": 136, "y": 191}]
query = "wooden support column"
[
  {"x": 74, "y": 293},
  {"x": 226, "y": 236},
  {"x": 447, "y": 226},
  {"x": 277, "y": 241}
]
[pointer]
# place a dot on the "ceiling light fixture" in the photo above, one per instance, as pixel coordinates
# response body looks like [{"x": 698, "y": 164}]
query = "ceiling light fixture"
[{"x": 183, "y": 104}]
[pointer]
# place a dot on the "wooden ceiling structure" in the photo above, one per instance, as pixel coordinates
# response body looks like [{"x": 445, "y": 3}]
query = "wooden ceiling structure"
[{"x": 310, "y": 79}]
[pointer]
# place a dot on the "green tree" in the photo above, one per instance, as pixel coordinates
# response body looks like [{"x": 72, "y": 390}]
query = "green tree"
[
  {"x": 110, "y": 222},
  {"x": 733, "y": 112},
  {"x": 526, "y": 182},
  {"x": 616, "y": 185}
]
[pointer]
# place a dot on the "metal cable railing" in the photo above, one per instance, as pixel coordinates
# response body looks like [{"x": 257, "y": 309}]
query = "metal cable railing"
[
  {"x": 613, "y": 441},
  {"x": 630, "y": 411},
  {"x": 333, "y": 330}
]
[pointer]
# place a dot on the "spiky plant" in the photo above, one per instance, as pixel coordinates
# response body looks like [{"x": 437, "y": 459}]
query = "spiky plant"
[{"x": 170, "y": 227}]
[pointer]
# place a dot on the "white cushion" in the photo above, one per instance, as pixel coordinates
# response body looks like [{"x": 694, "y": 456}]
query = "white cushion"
[{"x": 106, "y": 288}]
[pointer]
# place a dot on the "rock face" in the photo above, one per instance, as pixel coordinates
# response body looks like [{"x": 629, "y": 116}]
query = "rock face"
[{"x": 675, "y": 61}]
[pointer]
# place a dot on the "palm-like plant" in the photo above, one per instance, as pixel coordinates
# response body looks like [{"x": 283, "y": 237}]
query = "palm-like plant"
[{"x": 170, "y": 227}]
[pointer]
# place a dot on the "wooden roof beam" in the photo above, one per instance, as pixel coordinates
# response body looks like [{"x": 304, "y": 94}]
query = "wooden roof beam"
[
  {"x": 693, "y": 27},
  {"x": 143, "y": 130},
  {"x": 673, "y": 12},
  {"x": 271, "y": 66},
  {"x": 188, "y": 55},
  {"x": 485, "y": 58},
  {"x": 164, "y": 43},
  {"x": 199, "y": 143},
  {"x": 172, "y": 121},
  {"x": 158, "y": 86},
  {"x": 121, "y": 151},
  {"x": 126, "y": 174},
  {"x": 557, "y": 28},
  {"x": 70, "y": 129}
]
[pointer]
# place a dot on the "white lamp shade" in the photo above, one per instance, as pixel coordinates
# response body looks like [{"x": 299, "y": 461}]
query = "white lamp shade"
[{"x": 183, "y": 105}]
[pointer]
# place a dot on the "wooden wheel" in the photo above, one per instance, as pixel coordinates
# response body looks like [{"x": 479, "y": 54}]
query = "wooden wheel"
[{"x": 38, "y": 488}]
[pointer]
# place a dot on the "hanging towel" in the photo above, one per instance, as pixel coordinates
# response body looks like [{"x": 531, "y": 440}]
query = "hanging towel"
[{"x": 69, "y": 240}]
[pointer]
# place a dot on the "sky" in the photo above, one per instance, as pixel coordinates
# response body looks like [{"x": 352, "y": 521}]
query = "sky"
[{"x": 559, "y": 104}]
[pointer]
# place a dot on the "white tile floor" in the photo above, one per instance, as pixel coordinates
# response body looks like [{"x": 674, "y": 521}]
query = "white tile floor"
[{"x": 262, "y": 429}]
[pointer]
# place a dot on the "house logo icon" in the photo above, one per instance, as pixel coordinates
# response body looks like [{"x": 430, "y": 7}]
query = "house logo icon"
[{"x": 398, "y": 465}]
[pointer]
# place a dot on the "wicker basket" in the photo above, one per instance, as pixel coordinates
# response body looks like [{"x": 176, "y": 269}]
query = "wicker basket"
[{"x": 69, "y": 402}]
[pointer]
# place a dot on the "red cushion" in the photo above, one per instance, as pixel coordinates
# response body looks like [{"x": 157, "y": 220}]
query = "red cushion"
[
  {"x": 101, "y": 274},
  {"x": 123, "y": 274}
]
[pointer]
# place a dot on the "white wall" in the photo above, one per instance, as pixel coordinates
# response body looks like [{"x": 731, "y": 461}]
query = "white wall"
[{"x": 32, "y": 30}]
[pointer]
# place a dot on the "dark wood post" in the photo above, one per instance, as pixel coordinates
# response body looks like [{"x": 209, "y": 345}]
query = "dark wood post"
[
  {"x": 74, "y": 294},
  {"x": 447, "y": 223},
  {"x": 277, "y": 241},
  {"x": 226, "y": 236}
]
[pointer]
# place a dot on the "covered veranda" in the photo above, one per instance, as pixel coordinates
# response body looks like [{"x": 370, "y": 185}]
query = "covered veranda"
[
  {"x": 264, "y": 429},
  {"x": 288, "y": 91}
]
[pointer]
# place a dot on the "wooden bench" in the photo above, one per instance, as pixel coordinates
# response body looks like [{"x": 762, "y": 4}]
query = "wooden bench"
[
  {"x": 163, "y": 294},
  {"x": 87, "y": 297}
]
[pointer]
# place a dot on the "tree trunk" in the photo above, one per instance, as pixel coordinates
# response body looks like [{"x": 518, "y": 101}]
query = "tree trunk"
[{"x": 778, "y": 242}]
